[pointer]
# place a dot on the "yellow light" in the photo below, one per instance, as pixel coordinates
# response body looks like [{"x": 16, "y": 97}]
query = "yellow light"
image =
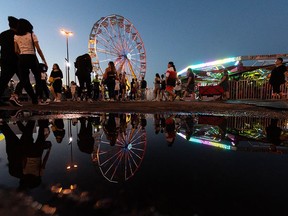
[
  {"x": 56, "y": 189},
  {"x": 2, "y": 136},
  {"x": 65, "y": 32},
  {"x": 66, "y": 191},
  {"x": 73, "y": 187}
]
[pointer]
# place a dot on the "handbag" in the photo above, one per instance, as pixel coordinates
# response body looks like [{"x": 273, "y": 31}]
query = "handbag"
[{"x": 51, "y": 79}]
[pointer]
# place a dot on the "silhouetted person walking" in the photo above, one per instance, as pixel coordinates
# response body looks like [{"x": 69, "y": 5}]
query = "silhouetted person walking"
[
  {"x": 84, "y": 68},
  {"x": 26, "y": 44},
  {"x": 9, "y": 59}
]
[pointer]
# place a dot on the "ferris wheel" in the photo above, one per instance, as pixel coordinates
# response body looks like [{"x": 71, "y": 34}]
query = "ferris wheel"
[
  {"x": 115, "y": 38},
  {"x": 120, "y": 162}
]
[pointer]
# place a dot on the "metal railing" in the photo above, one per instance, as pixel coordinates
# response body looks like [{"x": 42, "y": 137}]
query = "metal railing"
[
  {"x": 243, "y": 89},
  {"x": 250, "y": 89}
]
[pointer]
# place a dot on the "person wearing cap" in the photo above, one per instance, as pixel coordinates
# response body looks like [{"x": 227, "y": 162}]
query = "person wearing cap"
[{"x": 9, "y": 59}]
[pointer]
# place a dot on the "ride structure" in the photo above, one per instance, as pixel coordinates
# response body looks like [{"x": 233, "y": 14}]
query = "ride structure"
[
  {"x": 115, "y": 38},
  {"x": 210, "y": 71},
  {"x": 248, "y": 76}
]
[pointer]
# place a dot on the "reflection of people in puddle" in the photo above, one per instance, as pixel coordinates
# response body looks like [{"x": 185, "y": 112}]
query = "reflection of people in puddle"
[
  {"x": 188, "y": 123},
  {"x": 85, "y": 138},
  {"x": 96, "y": 122},
  {"x": 162, "y": 123},
  {"x": 58, "y": 129},
  {"x": 157, "y": 123},
  {"x": 74, "y": 121},
  {"x": 25, "y": 155},
  {"x": 273, "y": 133},
  {"x": 143, "y": 121},
  {"x": 134, "y": 120},
  {"x": 110, "y": 129},
  {"x": 123, "y": 123},
  {"x": 170, "y": 130}
]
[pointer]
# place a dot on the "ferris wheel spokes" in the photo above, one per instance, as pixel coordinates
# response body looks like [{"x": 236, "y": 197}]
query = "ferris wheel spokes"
[
  {"x": 108, "y": 46},
  {"x": 108, "y": 52},
  {"x": 112, "y": 37}
]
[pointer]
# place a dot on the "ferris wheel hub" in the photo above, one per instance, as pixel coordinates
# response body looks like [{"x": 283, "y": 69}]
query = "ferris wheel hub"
[
  {"x": 128, "y": 56},
  {"x": 129, "y": 146}
]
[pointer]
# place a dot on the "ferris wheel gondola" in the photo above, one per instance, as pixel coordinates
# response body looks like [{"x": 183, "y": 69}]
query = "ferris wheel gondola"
[{"x": 115, "y": 38}]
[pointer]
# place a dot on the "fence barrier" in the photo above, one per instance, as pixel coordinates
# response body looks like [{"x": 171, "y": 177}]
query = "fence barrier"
[{"x": 249, "y": 89}]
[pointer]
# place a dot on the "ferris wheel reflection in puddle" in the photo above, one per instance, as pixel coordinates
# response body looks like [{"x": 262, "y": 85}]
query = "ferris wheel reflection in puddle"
[{"x": 118, "y": 161}]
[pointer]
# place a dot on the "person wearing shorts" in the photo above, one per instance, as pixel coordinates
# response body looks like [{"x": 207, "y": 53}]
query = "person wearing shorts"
[{"x": 171, "y": 78}]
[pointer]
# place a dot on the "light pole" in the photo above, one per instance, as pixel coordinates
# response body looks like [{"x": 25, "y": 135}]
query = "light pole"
[{"x": 67, "y": 34}]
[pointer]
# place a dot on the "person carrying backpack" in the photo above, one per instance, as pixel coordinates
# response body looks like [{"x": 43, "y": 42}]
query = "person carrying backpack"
[{"x": 84, "y": 68}]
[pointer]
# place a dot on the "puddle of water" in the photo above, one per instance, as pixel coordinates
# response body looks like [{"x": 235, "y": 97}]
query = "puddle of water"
[{"x": 143, "y": 164}]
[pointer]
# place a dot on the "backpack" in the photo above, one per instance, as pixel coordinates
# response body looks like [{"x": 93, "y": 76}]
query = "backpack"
[{"x": 83, "y": 63}]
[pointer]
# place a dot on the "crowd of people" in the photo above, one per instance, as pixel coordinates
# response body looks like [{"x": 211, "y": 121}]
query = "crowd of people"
[{"x": 19, "y": 49}]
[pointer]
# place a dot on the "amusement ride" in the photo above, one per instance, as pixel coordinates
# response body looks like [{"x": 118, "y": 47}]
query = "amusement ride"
[{"x": 115, "y": 38}]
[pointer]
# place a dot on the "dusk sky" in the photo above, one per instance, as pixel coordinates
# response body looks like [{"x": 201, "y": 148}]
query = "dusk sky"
[{"x": 183, "y": 31}]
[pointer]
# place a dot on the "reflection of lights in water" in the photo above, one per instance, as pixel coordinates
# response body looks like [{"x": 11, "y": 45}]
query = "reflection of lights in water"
[
  {"x": 58, "y": 189},
  {"x": 49, "y": 210},
  {"x": 120, "y": 162},
  {"x": 71, "y": 192},
  {"x": 208, "y": 142},
  {"x": 286, "y": 124},
  {"x": 1, "y": 136},
  {"x": 71, "y": 166}
]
